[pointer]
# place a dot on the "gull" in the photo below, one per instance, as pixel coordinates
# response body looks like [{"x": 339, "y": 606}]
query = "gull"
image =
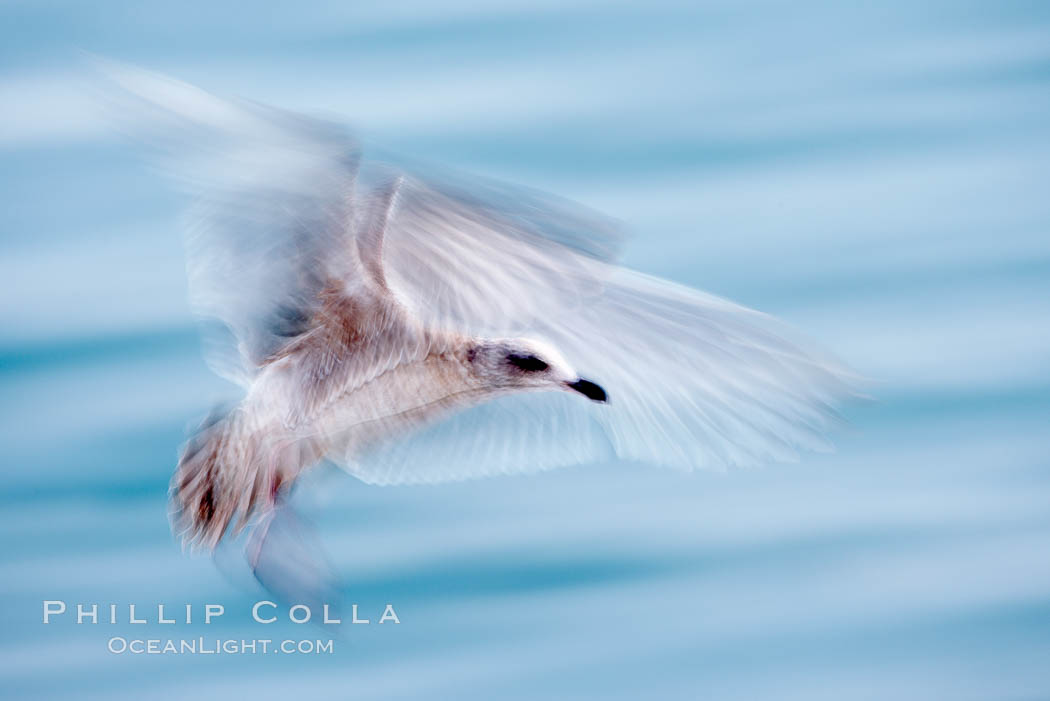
[{"x": 415, "y": 327}]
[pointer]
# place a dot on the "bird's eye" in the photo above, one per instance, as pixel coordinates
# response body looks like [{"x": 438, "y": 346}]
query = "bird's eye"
[{"x": 527, "y": 363}]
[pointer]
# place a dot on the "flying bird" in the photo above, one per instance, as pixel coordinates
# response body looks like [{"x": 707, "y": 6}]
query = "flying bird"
[{"x": 418, "y": 328}]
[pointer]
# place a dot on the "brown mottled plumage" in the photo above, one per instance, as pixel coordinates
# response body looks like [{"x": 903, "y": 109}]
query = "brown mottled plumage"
[{"x": 363, "y": 371}]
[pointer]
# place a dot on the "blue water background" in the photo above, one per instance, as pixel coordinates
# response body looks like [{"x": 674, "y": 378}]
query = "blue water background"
[{"x": 876, "y": 174}]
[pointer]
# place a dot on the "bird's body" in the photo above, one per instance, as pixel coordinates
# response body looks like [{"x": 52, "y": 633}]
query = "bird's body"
[
  {"x": 361, "y": 309},
  {"x": 364, "y": 372},
  {"x": 345, "y": 415}
]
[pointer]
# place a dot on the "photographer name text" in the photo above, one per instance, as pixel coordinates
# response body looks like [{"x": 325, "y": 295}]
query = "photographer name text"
[{"x": 264, "y": 612}]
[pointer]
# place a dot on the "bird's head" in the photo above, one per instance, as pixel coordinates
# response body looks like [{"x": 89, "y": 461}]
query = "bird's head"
[{"x": 526, "y": 364}]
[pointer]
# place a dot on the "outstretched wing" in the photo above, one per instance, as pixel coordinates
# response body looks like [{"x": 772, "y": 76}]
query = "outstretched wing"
[
  {"x": 694, "y": 381},
  {"x": 484, "y": 258},
  {"x": 285, "y": 206},
  {"x": 274, "y": 216}
]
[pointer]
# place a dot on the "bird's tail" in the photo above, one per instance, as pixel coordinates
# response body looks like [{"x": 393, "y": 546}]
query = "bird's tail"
[{"x": 227, "y": 471}]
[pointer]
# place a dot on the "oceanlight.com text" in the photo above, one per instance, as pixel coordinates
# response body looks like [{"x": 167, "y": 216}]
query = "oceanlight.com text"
[{"x": 217, "y": 646}]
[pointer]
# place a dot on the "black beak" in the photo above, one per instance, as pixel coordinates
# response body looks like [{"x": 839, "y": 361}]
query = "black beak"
[{"x": 589, "y": 390}]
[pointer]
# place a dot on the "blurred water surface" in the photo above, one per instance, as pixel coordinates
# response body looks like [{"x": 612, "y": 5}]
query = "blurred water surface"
[{"x": 876, "y": 175}]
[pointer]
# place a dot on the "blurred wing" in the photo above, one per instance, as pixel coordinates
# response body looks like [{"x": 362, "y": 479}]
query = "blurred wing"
[
  {"x": 486, "y": 259},
  {"x": 694, "y": 381},
  {"x": 510, "y": 435},
  {"x": 273, "y": 213},
  {"x": 283, "y": 207}
]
